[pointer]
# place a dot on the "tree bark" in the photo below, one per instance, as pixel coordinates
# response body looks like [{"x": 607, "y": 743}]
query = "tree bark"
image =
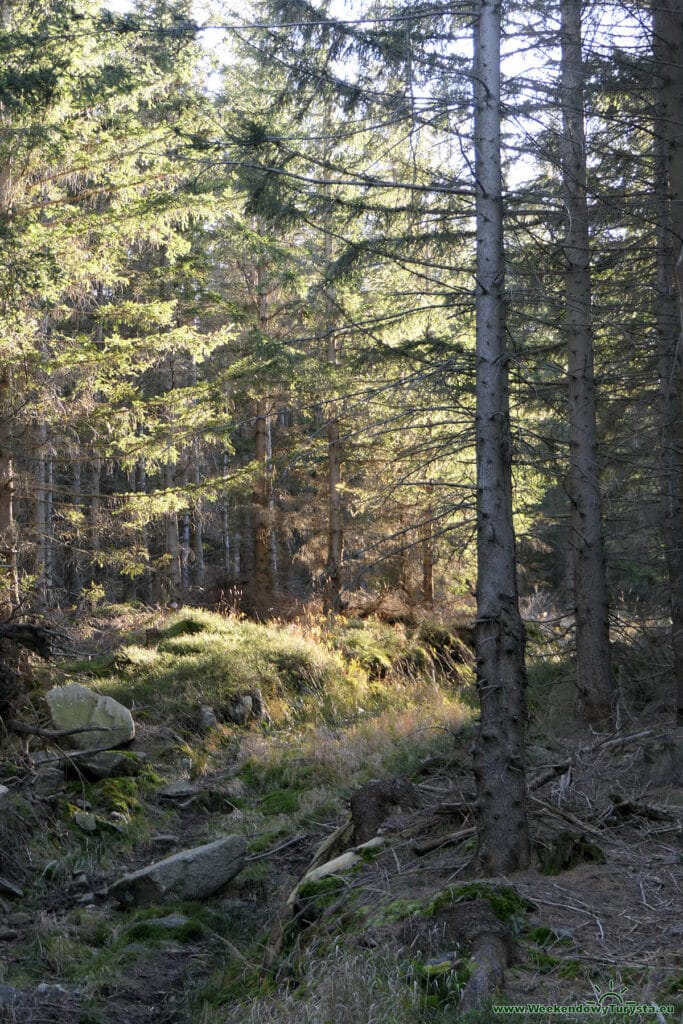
[
  {"x": 76, "y": 545},
  {"x": 428, "y": 551},
  {"x": 172, "y": 539},
  {"x": 499, "y": 765},
  {"x": 262, "y": 582},
  {"x": 8, "y": 537},
  {"x": 593, "y": 665},
  {"x": 225, "y": 526},
  {"x": 274, "y": 550},
  {"x": 335, "y": 522},
  {"x": 668, "y": 58},
  {"x": 263, "y": 585},
  {"x": 40, "y": 511},
  {"x": 9, "y": 575}
]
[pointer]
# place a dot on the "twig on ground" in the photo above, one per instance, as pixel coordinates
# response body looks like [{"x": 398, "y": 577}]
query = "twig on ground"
[
  {"x": 25, "y": 729},
  {"x": 277, "y": 849}
]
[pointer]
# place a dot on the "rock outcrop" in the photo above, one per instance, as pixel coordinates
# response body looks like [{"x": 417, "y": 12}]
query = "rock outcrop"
[
  {"x": 73, "y": 706},
  {"x": 188, "y": 875}
]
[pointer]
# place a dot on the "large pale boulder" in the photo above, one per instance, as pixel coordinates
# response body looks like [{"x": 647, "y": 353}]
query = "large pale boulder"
[
  {"x": 74, "y": 707},
  {"x": 188, "y": 875}
]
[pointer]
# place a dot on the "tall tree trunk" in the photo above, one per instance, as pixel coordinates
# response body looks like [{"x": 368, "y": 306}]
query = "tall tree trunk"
[
  {"x": 593, "y": 666},
  {"x": 8, "y": 535},
  {"x": 262, "y": 582},
  {"x": 335, "y": 524},
  {"x": 274, "y": 553},
  {"x": 76, "y": 547},
  {"x": 499, "y": 762},
  {"x": 95, "y": 504},
  {"x": 172, "y": 539},
  {"x": 9, "y": 575},
  {"x": 335, "y": 521},
  {"x": 225, "y": 525},
  {"x": 185, "y": 552},
  {"x": 145, "y": 582},
  {"x": 428, "y": 551},
  {"x": 40, "y": 510},
  {"x": 199, "y": 568},
  {"x": 199, "y": 571},
  {"x": 668, "y": 55}
]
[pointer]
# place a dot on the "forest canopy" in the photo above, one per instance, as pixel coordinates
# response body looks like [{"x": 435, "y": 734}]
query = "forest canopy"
[{"x": 256, "y": 264}]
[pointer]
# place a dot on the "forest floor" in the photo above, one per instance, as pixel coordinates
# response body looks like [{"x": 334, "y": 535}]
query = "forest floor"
[{"x": 595, "y": 924}]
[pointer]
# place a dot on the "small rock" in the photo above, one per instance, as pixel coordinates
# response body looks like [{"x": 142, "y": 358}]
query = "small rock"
[
  {"x": 110, "y": 763},
  {"x": 10, "y": 995},
  {"x": 164, "y": 840},
  {"x": 245, "y": 706},
  {"x": 74, "y": 706},
  {"x": 240, "y": 710},
  {"x": 180, "y": 790},
  {"x": 4, "y": 793},
  {"x": 85, "y": 820},
  {"x": 188, "y": 875},
  {"x": 51, "y": 990},
  {"x": 19, "y": 920},
  {"x": 441, "y": 964},
  {"x": 235, "y": 788},
  {"x": 206, "y": 719},
  {"x": 48, "y": 782},
  {"x": 8, "y": 934}
]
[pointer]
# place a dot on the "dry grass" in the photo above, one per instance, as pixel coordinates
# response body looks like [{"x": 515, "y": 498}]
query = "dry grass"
[
  {"x": 394, "y": 740},
  {"x": 341, "y": 988}
]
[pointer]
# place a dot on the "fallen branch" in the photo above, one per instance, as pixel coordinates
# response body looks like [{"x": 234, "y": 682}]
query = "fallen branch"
[
  {"x": 429, "y": 845},
  {"x": 276, "y": 849},
  {"x": 656, "y": 813},
  {"x": 342, "y": 863},
  {"x": 462, "y": 807},
  {"x": 332, "y": 845},
  {"x": 557, "y": 812},
  {"x": 74, "y": 755},
  {"x": 278, "y": 930},
  {"x": 550, "y": 773},
  {"x": 621, "y": 741},
  {"x": 25, "y": 729},
  {"x": 36, "y": 638},
  {"x": 490, "y": 954}
]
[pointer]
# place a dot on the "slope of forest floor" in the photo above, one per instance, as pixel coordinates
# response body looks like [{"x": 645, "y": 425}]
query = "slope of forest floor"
[{"x": 599, "y": 925}]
